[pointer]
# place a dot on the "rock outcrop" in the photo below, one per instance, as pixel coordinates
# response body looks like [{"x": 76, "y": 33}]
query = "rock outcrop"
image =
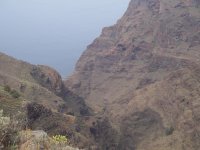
[
  {"x": 143, "y": 74},
  {"x": 32, "y": 140}
]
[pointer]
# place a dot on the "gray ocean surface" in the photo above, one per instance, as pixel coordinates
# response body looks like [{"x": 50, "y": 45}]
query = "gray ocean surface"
[{"x": 54, "y": 32}]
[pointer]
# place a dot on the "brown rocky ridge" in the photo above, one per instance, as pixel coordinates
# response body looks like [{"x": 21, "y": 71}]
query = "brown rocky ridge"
[{"x": 143, "y": 76}]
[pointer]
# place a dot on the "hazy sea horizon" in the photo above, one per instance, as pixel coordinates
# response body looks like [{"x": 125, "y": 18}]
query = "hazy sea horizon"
[{"x": 54, "y": 33}]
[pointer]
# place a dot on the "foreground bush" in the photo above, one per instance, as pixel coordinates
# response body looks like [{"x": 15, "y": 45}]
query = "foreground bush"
[{"x": 8, "y": 132}]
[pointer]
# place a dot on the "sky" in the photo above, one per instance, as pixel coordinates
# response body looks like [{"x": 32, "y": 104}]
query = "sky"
[{"x": 54, "y": 32}]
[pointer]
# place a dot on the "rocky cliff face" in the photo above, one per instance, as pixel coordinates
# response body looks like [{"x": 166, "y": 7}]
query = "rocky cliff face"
[{"x": 143, "y": 74}]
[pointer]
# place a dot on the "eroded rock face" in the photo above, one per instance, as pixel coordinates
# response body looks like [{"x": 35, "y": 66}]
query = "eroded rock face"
[{"x": 147, "y": 64}]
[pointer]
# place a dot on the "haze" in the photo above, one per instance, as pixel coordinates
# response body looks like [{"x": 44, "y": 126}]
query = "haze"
[{"x": 54, "y": 32}]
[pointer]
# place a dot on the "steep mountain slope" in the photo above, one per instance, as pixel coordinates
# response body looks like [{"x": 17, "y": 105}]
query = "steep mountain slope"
[{"x": 144, "y": 75}]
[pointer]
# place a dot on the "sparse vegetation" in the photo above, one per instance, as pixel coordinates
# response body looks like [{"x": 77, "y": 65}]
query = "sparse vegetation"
[
  {"x": 60, "y": 139},
  {"x": 15, "y": 94}
]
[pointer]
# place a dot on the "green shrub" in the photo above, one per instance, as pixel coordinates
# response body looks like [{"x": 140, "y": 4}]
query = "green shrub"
[
  {"x": 15, "y": 94},
  {"x": 7, "y": 88},
  {"x": 60, "y": 139}
]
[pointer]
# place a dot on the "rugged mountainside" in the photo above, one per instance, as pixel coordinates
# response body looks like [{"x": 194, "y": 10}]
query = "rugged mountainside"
[
  {"x": 136, "y": 87},
  {"x": 143, "y": 75}
]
